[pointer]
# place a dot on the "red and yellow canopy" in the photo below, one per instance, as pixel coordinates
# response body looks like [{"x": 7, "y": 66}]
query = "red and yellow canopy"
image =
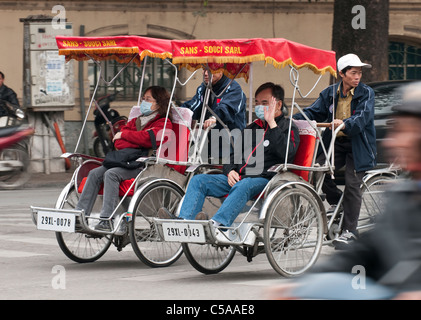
[
  {"x": 120, "y": 48},
  {"x": 229, "y": 55}
]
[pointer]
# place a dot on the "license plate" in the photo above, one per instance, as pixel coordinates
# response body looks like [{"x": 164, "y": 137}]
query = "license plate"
[
  {"x": 56, "y": 221},
  {"x": 183, "y": 232}
]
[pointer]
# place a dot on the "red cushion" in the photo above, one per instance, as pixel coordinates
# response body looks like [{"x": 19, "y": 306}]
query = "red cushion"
[
  {"x": 305, "y": 152},
  {"x": 180, "y": 152}
]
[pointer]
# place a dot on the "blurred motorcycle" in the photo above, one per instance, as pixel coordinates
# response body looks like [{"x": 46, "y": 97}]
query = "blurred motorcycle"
[
  {"x": 107, "y": 123},
  {"x": 14, "y": 150}
]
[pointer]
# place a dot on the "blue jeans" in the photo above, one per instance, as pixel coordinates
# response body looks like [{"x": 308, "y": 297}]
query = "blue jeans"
[{"x": 216, "y": 185}]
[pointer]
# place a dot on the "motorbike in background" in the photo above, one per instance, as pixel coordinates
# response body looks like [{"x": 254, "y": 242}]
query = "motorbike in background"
[
  {"x": 14, "y": 149},
  {"x": 107, "y": 123}
]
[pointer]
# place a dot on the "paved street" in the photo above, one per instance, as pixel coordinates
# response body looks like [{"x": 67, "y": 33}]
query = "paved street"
[{"x": 32, "y": 266}]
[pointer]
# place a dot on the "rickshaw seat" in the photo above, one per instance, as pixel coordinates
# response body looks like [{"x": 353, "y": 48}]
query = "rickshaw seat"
[
  {"x": 181, "y": 135},
  {"x": 305, "y": 153},
  {"x": 181, "y": 121}
]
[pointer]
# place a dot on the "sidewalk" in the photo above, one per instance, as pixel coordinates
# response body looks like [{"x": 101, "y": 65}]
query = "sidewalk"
[{"x": 54, "y": 179}]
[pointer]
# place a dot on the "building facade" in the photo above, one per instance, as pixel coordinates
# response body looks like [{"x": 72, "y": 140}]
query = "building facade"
[{"x": 307, "y": 22}]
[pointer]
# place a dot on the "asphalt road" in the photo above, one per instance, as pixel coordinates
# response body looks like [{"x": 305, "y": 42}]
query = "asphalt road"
[{"x": 32, "y": 266}]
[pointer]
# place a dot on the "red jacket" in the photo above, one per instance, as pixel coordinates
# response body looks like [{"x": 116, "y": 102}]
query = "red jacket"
[{"x": 131, "y": 138}]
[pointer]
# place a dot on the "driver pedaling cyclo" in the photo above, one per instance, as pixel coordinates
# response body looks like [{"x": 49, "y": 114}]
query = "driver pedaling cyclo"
[{"x": 355, "y": 145}]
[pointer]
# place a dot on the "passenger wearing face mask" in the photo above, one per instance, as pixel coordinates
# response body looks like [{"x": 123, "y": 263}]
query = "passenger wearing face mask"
[
  {"x": 134, "y": 134},
  {"x": 263, "y": 144}
]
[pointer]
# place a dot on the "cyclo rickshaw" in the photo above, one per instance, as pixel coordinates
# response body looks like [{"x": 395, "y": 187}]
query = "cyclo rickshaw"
[
  {"x": 74, "y": 230},
  {"x": 288, "y": 217},
  {"x": 163, "y": 181},
  {"x": 133, "y": 217}
]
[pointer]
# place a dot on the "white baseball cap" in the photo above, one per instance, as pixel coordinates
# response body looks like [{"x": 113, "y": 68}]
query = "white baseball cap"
[{"x": 351, "y": 60}]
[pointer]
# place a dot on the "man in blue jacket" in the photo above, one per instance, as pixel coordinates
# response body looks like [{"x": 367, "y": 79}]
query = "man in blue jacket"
[
  {"x": 355, "y": 145},
  {"x": 228, "y": 105}
]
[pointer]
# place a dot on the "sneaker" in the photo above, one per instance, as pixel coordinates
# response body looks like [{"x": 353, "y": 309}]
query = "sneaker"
[
  {"x": 202, "y": 216},
  {"x": 164, "y": 213},
  {"x": 221, "y": 237},
  {"x": 344, "y": 240},
  {"x": 104, "y": 225}
]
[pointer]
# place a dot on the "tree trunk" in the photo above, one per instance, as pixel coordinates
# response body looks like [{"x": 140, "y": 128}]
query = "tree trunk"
[{"x": 362, "y": 27}]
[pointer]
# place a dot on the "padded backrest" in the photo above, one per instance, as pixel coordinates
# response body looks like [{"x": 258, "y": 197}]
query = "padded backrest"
[
  {"x": 305, "y": 152},
  {"x": 178, "y": 145}
]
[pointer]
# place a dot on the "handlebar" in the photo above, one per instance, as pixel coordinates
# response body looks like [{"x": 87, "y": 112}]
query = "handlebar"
[
  {"x": 324, "y": 125},
  {"x": 12, "y": 109}
]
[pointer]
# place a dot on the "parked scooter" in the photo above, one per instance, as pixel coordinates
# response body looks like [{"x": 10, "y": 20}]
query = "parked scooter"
[
  {"x": 107, "y": 123},
  {"x": 14, "y": 154}
]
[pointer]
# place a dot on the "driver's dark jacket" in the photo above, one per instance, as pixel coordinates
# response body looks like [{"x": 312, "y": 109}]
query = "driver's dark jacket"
[
  {"x": 274, "y": 144},
  {"x": 359, "y": 127},
  {"x": 9, "y": 95},
  {"x": 230, "y": 107},
  {"x": 391, "y": 252}
]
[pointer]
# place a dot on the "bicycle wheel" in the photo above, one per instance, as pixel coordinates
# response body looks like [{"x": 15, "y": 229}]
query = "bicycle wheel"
[
  {"x": 144, "y": 237},
  {"x": 19, "y": 158},
  {"x": 373, "y": 199},
  {"x": 208, "y": 258},
  {"x": 293, "y": 232},
  {"x": 81, "y": 247}
]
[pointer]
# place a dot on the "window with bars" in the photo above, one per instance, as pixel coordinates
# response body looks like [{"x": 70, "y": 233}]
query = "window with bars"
[
  {"x": 157, "y": 72},
  {"x": 404, "y": 61}
]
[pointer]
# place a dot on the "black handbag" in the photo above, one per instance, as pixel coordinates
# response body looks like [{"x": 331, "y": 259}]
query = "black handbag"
[{"x": 126, "y": 158}]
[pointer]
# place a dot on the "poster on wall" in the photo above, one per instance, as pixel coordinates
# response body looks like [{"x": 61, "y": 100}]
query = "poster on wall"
[{"x": 52, "y": 78}]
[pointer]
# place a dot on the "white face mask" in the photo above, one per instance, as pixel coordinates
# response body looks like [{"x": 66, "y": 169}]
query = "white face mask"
[
  {"x": 146, "y": 108},
  {"x": 260, "y": 112}
]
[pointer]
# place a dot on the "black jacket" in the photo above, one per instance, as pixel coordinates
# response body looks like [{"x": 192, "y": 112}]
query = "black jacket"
[
  {"x": 262, "y": 147},
  {"x": 230, "y": 107},
  {"x": 359, "y": 127},
  {"x": 391, "y": 251},
  {"x": 9, "y": 95}
]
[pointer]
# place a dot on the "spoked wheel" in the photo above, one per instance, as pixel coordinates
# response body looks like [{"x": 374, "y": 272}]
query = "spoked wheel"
[
  {"x": 208, "y": 258},
  {"x": 144, "y": 237},
  {"x": 293, "y": 232},
  {"x": 373, "y": 200},
  {"x": 18, "y": 161},
  {"x": 81, "y": 247}
]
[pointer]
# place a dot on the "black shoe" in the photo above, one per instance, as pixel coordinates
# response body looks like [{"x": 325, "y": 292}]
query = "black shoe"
[
  {"x": 164, "y": 213},
  {"x": 104, "y": 225},
  {"x": 202, "y": 216}
]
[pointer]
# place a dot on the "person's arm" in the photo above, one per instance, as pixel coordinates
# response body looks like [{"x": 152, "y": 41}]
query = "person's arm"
[
  {"x": 319, "y": 110},
  {"x": 14, "y": 98},
  {"x": 278, "y": 141},
  {"x": 231, "y": 103},
  {"x": 142, "y": 137},
  {"x": 10, "y": 96},
  {"x": 196, "y": 103},
  {"x": 277, "y": 137}
]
